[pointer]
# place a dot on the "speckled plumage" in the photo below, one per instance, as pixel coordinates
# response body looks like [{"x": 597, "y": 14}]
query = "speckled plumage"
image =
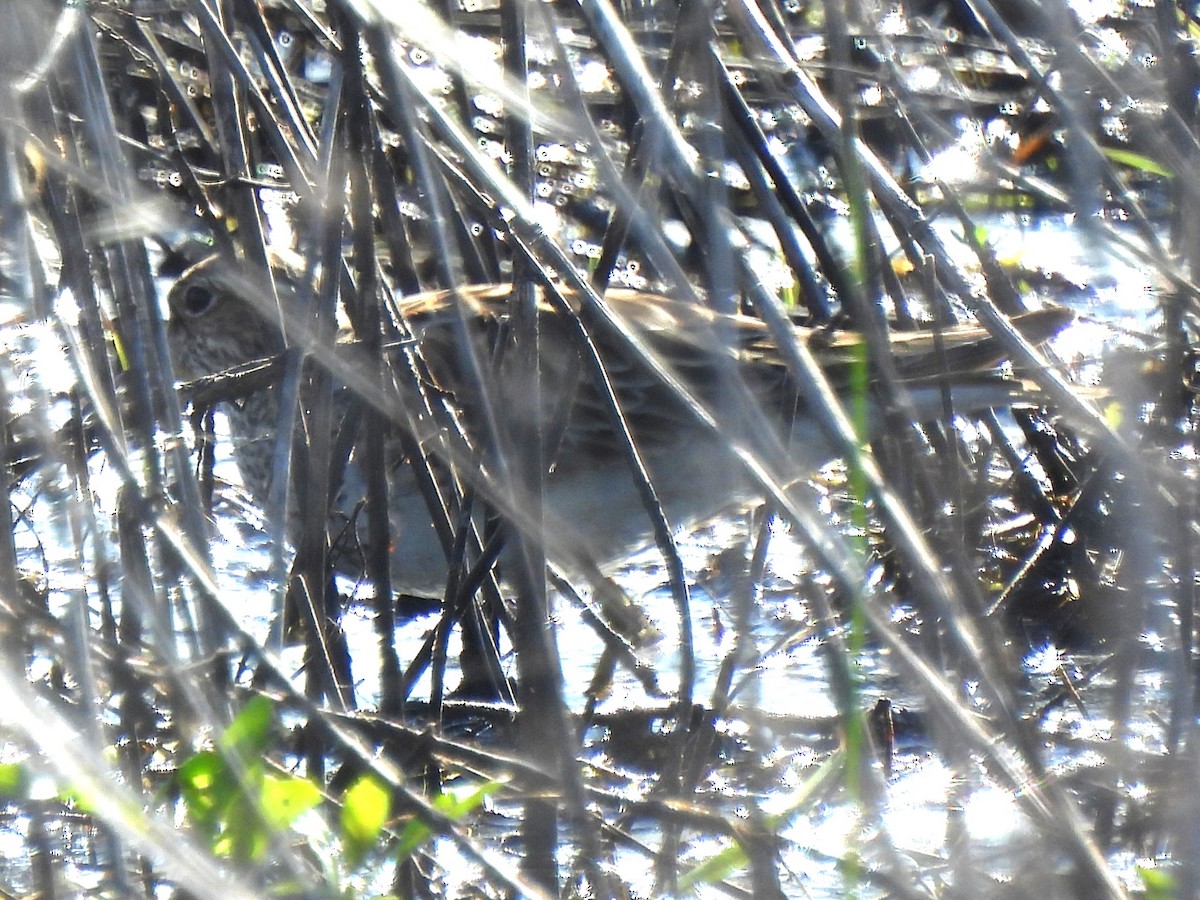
[
  {"x": 212, "y": 329},
  {"x": 591, "y": 504}
]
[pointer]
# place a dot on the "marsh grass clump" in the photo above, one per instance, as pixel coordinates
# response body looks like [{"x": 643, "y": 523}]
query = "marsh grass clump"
[{"x": 353, "y": 351}]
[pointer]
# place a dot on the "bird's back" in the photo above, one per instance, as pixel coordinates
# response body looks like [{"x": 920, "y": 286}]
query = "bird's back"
[{"x": 676, "y": 371}]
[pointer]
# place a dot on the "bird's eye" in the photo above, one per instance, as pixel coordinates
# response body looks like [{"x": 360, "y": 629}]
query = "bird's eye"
[{"x": 197, "y": 299}]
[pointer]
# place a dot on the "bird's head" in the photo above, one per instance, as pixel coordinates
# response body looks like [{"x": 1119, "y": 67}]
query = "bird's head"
[{"x": 216, "y": 319}]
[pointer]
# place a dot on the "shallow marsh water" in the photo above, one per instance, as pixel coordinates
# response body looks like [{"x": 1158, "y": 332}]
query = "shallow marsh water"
[{"x": 781, "y": 727}]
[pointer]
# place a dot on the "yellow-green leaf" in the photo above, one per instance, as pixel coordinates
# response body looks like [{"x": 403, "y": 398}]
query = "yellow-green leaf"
[
  {"x": 248, "y": 733},
  {"x": 1138, "y": 161},
  {"x": 365, "y": 810},
  {"x": 286, "y": 797},
  {"x": 14, "y": 781}
]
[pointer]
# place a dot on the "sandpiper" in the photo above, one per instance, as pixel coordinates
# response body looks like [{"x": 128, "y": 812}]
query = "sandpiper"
[{"x": 594, "y": 514}]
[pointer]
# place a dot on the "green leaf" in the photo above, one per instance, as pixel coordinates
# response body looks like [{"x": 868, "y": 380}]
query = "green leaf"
[
  {"x": 454, "y": 805},
  {"x": 230, "y": 795},
  {"x": 716, "y": 868},
  {"x": 1137, "y": 161},
  {"x": 227, "y": 809},
  {"x": 287, "y": 797},
  {"x": 80, "y": 798},
  {"x": 1114, "y": 415},
  {"x": 247, "y": 734},
  {"x": 365, "y": 809},
  {"x": 14, "y": 781},
  {"x": 205, "y": 784},
  {"x": 1159, "y": 885},
  {"x": 415, "y": 834}
]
